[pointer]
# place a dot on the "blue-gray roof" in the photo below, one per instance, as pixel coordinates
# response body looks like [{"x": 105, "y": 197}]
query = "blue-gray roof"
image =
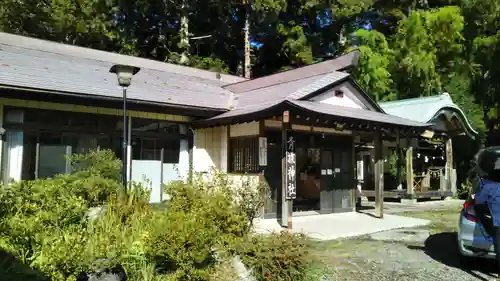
[
  {"x": 247, "y": 113},
  {"x": 295, "y": 89},
  {"x": 37, "y": 64},
  {"x": 426, "y": 109}
]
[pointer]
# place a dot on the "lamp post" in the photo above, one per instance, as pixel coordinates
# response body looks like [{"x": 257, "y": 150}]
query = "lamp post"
[{"x": 124, "y": 74}]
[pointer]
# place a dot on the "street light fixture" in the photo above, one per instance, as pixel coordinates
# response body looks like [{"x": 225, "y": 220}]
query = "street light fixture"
[{"x": 124, "y": 74}]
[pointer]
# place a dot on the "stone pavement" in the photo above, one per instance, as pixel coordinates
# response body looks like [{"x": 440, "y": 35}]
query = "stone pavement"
[{"x": 344, "y": 225}]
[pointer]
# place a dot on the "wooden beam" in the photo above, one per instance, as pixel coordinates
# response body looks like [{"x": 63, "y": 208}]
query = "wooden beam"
[
  {"x": 379, "y": 175},
  {"x": 287, "y": 203},
  {"x": 409, "y": 169},
  {"x": 262, "y": 179},
  {"x": 398, "y": 161},
  {"x": 355, "y": 175},
  {"x": 91, "y": 109},
  {"x": 451, "y": 186}
]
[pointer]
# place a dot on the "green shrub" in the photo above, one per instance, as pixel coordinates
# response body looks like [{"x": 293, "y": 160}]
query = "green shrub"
[
  {"x": 211, "y": 220},
  {"x": 43, "y": 223},
  {"x": 278, "y": 257}
]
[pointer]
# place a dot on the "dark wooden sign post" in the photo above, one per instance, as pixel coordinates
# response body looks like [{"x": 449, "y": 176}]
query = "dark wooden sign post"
[{"x": 290, "y": 169}]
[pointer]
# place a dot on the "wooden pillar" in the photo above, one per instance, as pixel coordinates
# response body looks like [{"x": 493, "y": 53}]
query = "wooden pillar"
[
  {"x": 262, "y": 168},
  {"x": 2, "y": 151},
  {"x": 355, "y": 176},
  {"x": 379, "y": 175},
  {"x": 450, "y": 186},
  {"x": 288, "y": 172},
  {"x": 398, "y": 161},
  {"x": 409, "y": 169}
]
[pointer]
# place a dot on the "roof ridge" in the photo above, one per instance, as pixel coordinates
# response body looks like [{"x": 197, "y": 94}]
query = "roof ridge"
[
  {"x": 53, "y": 47},
  {"x": 277, "y": 84},
  {"x": 339, "y": 63},
  {"x": 292, "y": 69}
]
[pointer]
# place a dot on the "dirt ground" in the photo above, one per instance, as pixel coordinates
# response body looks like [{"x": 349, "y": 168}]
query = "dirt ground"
[{"x": 434, "y": 258}]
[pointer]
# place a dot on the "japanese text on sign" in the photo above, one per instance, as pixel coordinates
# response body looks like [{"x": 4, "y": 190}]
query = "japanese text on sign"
[{"x": 290, "y": 170}]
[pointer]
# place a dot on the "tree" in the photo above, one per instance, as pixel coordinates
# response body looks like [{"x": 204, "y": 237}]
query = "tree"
[
  {"x": 81, "y": 22},
  {"x": 425, "y": 44},
  {"x": 373, "y": 71}
]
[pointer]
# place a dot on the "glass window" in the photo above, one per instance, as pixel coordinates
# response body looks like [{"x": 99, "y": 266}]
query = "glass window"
[{"x": 151, "y": 149}]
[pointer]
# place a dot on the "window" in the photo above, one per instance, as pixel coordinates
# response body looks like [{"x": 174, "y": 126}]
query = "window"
[
  {"x": 244, "y": 155},
  {"x": 339, "y": 93},
  {"x": 151, "y": 148}
]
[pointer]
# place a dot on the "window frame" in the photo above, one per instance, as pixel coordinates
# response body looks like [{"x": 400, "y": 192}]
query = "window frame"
[{"x": 248, "y": 148}]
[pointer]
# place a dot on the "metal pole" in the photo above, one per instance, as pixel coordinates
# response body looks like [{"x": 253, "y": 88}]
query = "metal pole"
[{"x": 125, "y": 141}]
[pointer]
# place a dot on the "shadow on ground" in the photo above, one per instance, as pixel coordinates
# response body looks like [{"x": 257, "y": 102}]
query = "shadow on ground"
[
  {"x": 13, "y": 270},
  {"x": 443, "y": 247}
]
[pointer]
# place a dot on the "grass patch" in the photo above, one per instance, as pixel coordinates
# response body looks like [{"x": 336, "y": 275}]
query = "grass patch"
[{"x": 445, "y": 220}]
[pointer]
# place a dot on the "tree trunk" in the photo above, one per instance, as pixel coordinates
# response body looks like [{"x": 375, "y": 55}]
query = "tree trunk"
[
  {"x": 184, "y": 34},
  {"x": 247, "y": 66}
]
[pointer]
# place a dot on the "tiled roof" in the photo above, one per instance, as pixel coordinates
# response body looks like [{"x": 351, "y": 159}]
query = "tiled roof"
[
  {"x": 37, "y": 64},
  {"x": 337, "y": 64},
  {"x": 327, "y": 79},
  {"x": 65, "y": 69},
  {"x": 296, "y": 89},
  {"x": 354, "y": 114},
  {"x": 357, "y": 114}
]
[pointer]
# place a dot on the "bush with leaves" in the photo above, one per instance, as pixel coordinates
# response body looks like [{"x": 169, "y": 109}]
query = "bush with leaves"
[
  {"x": 43, "y": 223},
  {"x": 280, "y": 256},
  {"x": 37, "y": 215}
]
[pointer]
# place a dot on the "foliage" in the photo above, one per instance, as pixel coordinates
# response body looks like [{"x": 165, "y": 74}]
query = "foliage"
[
  {"x": 393, "y": 164},
  {"x": 464, "y": 190},
  {"x": 373, "y": 69},
  {"x": 295, "y": 46},
  {"x": 53, "y": 236},
  {"x": 280, "y": 256},
  {"x": 45, "y": 223}
]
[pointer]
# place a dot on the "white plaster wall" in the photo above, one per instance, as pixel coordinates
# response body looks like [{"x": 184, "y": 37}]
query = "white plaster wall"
[
  {"x": 348, "y": 100},
  {"x": 210, "y": 149},
  {"x": 244, "y": 129},
  {"x": 210, "y": 145}
]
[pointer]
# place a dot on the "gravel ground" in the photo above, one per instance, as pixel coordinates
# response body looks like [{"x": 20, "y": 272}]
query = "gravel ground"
[{"x": 365, "y": 259}]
